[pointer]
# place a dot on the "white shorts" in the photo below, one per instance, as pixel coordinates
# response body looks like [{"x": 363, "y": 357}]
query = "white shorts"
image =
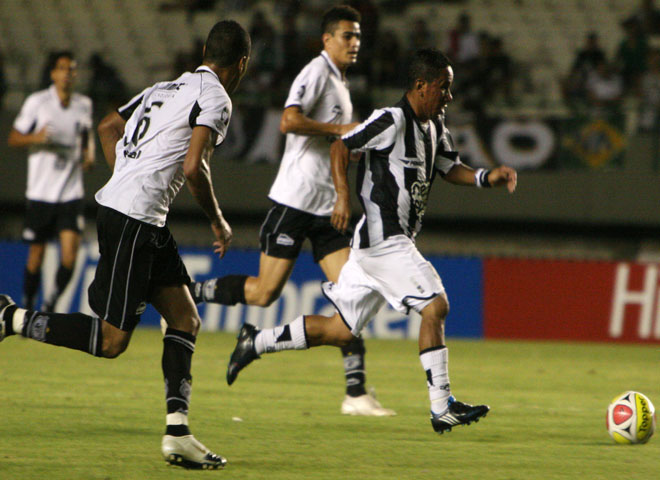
[{"x": 393, "y": 271}]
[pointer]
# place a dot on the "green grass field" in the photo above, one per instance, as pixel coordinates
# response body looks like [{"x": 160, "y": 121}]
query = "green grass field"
[{"x": 66, "y": 415}]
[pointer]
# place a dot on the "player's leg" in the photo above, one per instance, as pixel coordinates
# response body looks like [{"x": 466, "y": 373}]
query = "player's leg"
[
  {"x": 355, "y": 302},
  {"x": 39, "y": 227},
  {"x": 446, "y": 412},
  {"x": 32, "y": 275},
  {"x": 357, "y": 400},
  {"x": 169, "y": 294},
  {"x": 69, "y": 245},
  {"x": 281, "y": 238}
]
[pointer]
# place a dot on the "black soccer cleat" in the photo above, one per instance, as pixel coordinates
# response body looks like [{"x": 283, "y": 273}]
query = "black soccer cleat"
[
  {"x": 244, "y": 352},
  {"x": 5, "y": 301},
  {"x": 457, "y": 413}
]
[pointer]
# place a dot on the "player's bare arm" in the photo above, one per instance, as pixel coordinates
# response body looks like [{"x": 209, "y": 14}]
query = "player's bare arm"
[
  {"x": 88, "y": 151},
  {"x": 18, "y": 139},
  {"x": 497, "y": 177},
  {"x": 198, "y": 175},
  {"x": 294, "y": 121},
  {"x": 110, "y": 130},
  {"x": 339, "y": 158}
]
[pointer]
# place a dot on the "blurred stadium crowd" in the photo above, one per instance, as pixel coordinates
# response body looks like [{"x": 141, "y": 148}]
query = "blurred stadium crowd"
[
  {"x": 550, "y": 86},
  {"x": 559, "y": 53}
]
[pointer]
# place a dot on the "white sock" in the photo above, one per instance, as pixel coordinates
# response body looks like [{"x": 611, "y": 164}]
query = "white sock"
[
  {"x": 177, "y": 418},
  {"x": 287, "y": 337},
  {"x": 18, "y": 320},
  {"x": 434, "y": 361}
]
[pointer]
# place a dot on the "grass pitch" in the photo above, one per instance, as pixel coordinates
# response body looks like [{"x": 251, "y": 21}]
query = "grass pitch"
[{"x": 66, "y": 415}]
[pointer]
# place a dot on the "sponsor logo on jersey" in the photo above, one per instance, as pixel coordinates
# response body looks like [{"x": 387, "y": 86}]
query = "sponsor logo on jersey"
[
  {"x": 419, "y": 194},
  {"x": 284, "y": 239},
  {"x": 414, "y": 162}
]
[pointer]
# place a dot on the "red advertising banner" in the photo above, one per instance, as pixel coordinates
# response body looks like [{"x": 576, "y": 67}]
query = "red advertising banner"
[{"x": 571, "y": 300}]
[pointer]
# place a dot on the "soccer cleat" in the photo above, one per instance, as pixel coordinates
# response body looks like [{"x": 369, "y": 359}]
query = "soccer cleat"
[
  {"x": 244, "y": 352},
  {"x": 5, "y": 301},
  {"x": 457, "y": 413},
  {"x": 188, "y": 452},
  {"x": 365, "y": 405}
]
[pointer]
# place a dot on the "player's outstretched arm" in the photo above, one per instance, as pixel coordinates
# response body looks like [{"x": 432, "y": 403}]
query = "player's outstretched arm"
[
  {"x": 110, "y": 130},
  {"x": 500, "y": 176},
  {"x": 198, "y": 175},
  {"x": 339, "y": 158},
  {"x": 18, "y": 139},
  {"x": 294, "y": 121}
]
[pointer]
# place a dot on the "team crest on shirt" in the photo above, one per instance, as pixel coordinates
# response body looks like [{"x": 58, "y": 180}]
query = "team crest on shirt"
[{"x": 419, "y": 194}]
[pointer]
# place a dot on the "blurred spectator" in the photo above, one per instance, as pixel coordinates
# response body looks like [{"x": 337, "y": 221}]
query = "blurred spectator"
[
  {"x": 420, "y": 36},
  {"x": 291, "y": 63},
  {"x": 586, "y": 60},
  {"x": 388, "y": 61},
  {"x": 604, "y": 86},
  {"x": 265, "y": 63},
  {"x": 496, "y": 71},
  {"x": 648, "y": 16},
  {"x": 3, "y": 81},
  {"x": 463, "y": 43},
  {"x": 188, "y": 61},
  {"x": 190, "y": 6},
  {"x": 631, "y": 55},
  {"x": 650, "y": 93},
  {"x": 106, "y": 88},
  {"x": 369, "y": 30}
]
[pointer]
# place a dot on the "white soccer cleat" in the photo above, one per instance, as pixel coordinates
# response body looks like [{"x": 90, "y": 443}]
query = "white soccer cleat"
[
  {"x": 365, "y": 405},
  {"x": 5, "y": 301},
  {"x": 188, "y": 452}
]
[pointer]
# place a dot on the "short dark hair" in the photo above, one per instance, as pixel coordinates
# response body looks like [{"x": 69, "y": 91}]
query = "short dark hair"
[
  {"x": 227, "y": 43},
  {"x": 336, "y": 14},
  {"x": 427, "y": 64},
  {"x": 53, "y": 57}
]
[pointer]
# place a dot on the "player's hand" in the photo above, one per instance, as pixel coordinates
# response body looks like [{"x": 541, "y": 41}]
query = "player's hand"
[
  {"x": 503, "y": 175},
  {"x": 341, "y": 214},
  {"x": 42, "y": 137},
  {"x": 223, "y": 235}
]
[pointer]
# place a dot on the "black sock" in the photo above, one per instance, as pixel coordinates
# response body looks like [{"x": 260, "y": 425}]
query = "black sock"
[
  {"x": 71, "y": 330},
  {"x": 178, "y": 348},
  {"x": 356, "y": 377},
  {"x": 31, "y": 283},
  {"x": 62, "y": 279},
  {"x": 227, "y": 290}
]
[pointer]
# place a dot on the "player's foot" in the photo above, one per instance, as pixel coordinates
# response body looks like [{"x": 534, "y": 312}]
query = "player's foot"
[
  {"x": 244, "y": 352},
  {"x": 458, "y": 413},
  {"x": 5, "y": 301},
  {"x": 365, "y": 405},
  {"x": 188, "y": 452}
]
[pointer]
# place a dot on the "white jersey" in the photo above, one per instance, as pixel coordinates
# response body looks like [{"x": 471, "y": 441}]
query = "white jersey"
[
  {"x": 304, "y": 180},
  {"x": 149, "y": 158},
  {"x": 55, "y": 169}
]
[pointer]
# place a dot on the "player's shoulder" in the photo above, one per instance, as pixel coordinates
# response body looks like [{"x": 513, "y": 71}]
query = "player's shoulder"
[
  {"x": 317, "y": 67},
  {"x": 38, "y": 97},
  {"x": 392, "y": 114}
]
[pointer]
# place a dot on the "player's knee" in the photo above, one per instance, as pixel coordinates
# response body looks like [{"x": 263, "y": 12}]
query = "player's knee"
[
  {"x": 113, "y": 348},
  {"x": 266, "y": 297},
  {"x": 344, "y": 337}
]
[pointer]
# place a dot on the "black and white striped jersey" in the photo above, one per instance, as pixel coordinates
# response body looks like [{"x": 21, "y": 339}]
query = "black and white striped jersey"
[{"x": 394, "y": 176}]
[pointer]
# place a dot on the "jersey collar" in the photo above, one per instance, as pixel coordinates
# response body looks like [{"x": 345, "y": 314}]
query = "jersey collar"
[
  {"x": 333, "y": 67},
  {"x": 204, "y": 68}
]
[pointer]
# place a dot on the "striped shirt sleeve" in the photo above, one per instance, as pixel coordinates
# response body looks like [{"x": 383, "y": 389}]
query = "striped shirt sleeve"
[{"x": 378, "y": 132}]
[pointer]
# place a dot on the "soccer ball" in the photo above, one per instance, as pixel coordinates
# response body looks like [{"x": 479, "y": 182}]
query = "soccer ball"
[{"x": 631, "y": 418}]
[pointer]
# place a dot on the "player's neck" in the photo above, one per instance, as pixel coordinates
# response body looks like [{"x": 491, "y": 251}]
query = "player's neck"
[
  {"x": 64, "y": 95},
  {"x": 342, "y": 68},
  {"x": 416, "y": 106}
]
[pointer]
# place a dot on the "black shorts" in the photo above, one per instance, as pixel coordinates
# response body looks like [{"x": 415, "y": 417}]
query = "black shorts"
[
  {"x": 44, "y": 221},
  {"x": 136, "y": 258},
  {"x": 285, "y": 229}
]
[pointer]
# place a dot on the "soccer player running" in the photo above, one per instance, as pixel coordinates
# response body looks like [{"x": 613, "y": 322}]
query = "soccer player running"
[
  {"x": 405, "y": 147},
  {"x": 317, "y": 111},
  {"x": 162, "y": 138},
  {"x": 54, "y": 124}
]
